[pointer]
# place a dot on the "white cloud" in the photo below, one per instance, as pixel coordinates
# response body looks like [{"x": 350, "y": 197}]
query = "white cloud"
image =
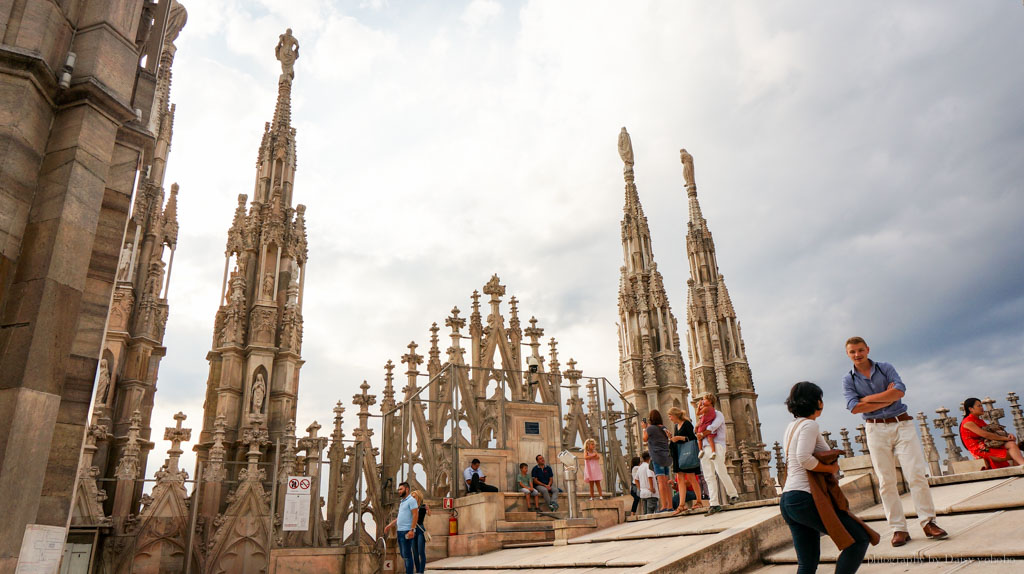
[
  {"x": 857, "y": 164},
  {"x": 480, "y": 13}
]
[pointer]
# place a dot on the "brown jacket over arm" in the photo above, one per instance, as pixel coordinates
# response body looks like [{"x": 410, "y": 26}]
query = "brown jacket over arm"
[{"x": 830, "y": 501}]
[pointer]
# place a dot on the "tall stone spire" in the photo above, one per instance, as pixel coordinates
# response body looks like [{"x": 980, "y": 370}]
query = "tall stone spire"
[
  {"x": 651, "y": 370},
  {"x": 256, "y": 354},
  {"x": 718, "y": 360}
]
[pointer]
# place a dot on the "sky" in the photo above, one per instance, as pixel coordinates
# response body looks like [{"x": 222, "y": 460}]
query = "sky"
[{"x": 858, "y": 163}]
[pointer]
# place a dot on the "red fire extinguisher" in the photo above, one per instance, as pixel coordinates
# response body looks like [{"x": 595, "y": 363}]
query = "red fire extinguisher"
[{"x": 453, "y": 523}]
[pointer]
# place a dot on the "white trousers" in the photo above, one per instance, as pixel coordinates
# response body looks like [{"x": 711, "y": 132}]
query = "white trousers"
[
  {"x": 888, "y": 442},
  {"x": 714, "y": 470}
]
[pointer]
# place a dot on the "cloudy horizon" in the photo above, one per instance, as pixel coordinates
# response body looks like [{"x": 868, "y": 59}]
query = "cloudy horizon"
[{"x": 858, "y": 165}]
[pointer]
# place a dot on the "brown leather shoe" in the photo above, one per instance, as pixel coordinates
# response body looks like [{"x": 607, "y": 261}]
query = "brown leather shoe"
[
  {"x": 932, "y": 530},
  {"x": 900, "y": 538}
]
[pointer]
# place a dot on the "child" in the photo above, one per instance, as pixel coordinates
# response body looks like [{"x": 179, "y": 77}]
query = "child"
[
  {"x": 592, "y": 473},
  {"x": 648, "y": 487},
  {"x": 706, "y": 415},
  {"x": 523, "y": 483},
  {"x": 634, "y": 487}
]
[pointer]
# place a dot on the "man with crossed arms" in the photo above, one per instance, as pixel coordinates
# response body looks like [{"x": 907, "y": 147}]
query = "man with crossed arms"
[{"x": 875, "y": 391}]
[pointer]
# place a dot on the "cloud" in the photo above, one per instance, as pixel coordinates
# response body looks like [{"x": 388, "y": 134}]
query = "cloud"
[
  {"x": 858, "y": 166},
  {"x": 480, "y": 13}
]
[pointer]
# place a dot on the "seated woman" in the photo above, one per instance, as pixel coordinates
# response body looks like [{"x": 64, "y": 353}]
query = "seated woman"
[{"x": 973, "y": 436}]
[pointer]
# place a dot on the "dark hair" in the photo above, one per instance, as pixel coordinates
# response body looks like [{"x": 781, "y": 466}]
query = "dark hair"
[
  {"x": 537, "y": 458},
  {"x": 475, "y": 461},
  {"x": 654, "y": 417},
  {"x": 970, "y": 403},
  {"x": 634, "y": 462},
  {"x": 804, "y": 399},
  {"x": 403, "y": 483},
  {"x": 646, "y": 456},
  {"x": 522, "y": 464}
]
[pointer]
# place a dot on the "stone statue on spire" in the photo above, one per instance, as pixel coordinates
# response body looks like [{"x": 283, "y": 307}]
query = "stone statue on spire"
[
  {"x": 626, "y": 148},
  {"x": 287, "y": 52},
  {"x": 687, "y": 160}
]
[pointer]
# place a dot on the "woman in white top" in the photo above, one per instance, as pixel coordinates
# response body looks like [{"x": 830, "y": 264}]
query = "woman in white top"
[{"x": 802, "y": 440}]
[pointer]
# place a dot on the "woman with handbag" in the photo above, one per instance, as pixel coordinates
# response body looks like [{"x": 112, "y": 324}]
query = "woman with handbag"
[
  {"x": 685, "y": 458},
  {"x": 807, "y": 515},
  {"x": 997, "y": 449},
  {"x": 422, "y": 536}
]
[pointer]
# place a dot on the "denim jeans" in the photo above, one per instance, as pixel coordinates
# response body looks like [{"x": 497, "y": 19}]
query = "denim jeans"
[
  {"x": 407, "y": 548},
  {"x": 420, "y": 547},
  {"x": 805, "y": 524}
]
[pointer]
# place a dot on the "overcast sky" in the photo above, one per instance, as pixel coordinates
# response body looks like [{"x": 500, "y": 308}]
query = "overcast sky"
[{"x": 859, "y": 165}]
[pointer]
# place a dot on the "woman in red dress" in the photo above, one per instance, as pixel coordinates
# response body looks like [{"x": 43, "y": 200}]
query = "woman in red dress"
[{"x": 973, "y": 437}]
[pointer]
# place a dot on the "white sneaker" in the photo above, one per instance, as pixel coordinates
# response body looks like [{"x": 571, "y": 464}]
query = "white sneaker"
[
  {"x": 713, "y": 455},
  {"x": 700, "y": 454}
]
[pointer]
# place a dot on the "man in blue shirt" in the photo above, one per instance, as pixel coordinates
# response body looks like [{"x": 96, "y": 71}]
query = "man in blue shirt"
[
  {"x": 404, "y": 521},
  {"x": 544, "y": 481},
  {"x": 875, "y": 391}
]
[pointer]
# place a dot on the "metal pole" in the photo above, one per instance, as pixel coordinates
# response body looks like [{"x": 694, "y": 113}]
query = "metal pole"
[
  {"x": 453, "y": 478},
  {"x": 504, "y": 434},
  {"x": 273, "y": 498},
  {"x": 195, "y": 511},
  {"x": 358, "y": 531},
  {"x": 401, "y": 460}
]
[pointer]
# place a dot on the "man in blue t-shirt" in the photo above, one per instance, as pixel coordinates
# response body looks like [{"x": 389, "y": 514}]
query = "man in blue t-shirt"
[
  {"x": 544, "y": 481},
  {"x": 404, "y": 521}
]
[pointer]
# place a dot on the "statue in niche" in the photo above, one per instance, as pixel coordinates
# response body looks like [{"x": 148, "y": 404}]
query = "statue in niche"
[
  {"x": 103, "y": 385},
  {"x": 287, "y": 52},
  {"x": 625, "y": 148},
  {"x": 124, "y": 263},
  {"x": 259, "y": 392},
  {"x": 687, "y": 160},
  {"x": 268, "y": 285}
]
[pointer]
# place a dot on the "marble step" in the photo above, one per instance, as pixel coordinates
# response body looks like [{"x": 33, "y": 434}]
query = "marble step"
[
  {"x": 525, "y": 526},
  {"x": 956, "y": 498},
  {"x": 904, "y": 567},
  {"x": 974, "y": 536},
  {"x": 533, "y": 516}
]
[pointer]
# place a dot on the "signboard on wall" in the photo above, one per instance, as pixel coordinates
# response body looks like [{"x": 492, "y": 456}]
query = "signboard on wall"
[
  {"x": 296, "y": 504},
  {"x": 41, "y": 549}
]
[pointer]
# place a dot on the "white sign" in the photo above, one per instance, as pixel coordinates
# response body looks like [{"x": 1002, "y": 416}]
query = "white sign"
[
  {"x": 296, "y": 504},
  {"x": 389, "y": 565},
  {"x": 41, "y": 549}
]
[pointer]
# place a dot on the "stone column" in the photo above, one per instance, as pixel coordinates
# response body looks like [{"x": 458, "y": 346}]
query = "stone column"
[
  {"x": 946, "y": 423},
  {"x": 847, "y": 447},
  {"x": 1018, "y": 416},
  {"x": 65, "y": 195},
  {"x": 931, "y": 454}
]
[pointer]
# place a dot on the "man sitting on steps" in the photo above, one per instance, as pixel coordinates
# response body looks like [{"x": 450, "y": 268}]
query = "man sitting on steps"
[
  {"x": 475, "y": 478},
  {"x": 544, "y": 482}
]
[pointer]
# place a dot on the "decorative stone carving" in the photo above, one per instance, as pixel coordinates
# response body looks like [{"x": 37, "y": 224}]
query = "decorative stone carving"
[
  {"x": 687, "y": 159},
  {"x": 626, "y": 148},
  {"x": 102, "y": 383},
  {"x": 259, "y": 391},
  {"x": 124, "y": 263},
  {"x": 287, "y": 52},
  {"x": 947, "y": 423}
]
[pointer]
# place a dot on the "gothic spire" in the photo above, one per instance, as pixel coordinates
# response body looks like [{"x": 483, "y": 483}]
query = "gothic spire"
[
  {"x": 651, "y": 364},
  {"x": 287, "y": 52}
]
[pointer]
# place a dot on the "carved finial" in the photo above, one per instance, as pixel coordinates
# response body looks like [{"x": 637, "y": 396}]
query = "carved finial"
[
  {"x": 626, "y": 149},
  {"x": 287, "y": 52},
  {"x": 687, "y": 159}
]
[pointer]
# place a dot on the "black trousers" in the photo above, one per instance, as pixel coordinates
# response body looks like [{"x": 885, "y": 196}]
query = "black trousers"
[{"x": 476, "y": 485}]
